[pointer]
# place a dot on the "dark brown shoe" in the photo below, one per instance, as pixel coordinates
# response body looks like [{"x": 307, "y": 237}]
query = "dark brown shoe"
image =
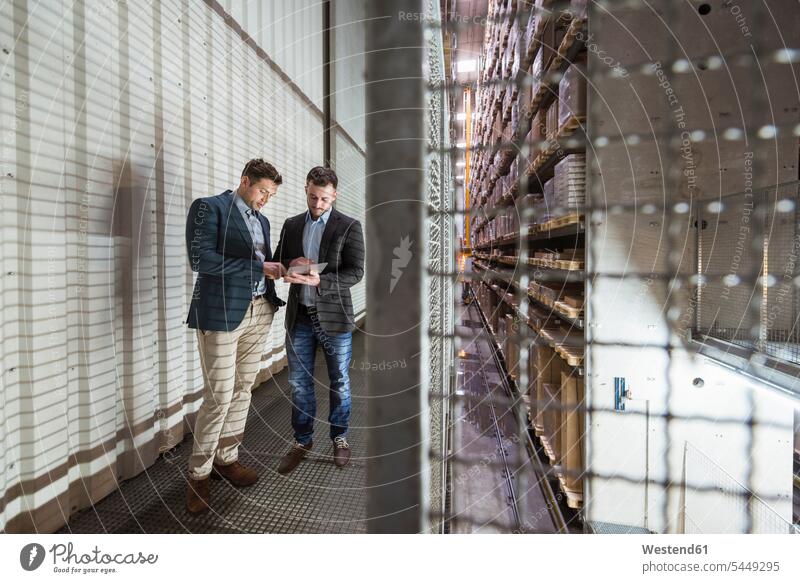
[
  {"x": 198, "y": 496},
  {"x": 235, "y": 473},
  {"x": 341, "y": 452},
  {"x": 293, "y": 458}
]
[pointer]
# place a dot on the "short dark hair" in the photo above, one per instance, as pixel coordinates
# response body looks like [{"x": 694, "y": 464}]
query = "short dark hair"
[
  {"x": 321, "y": 176},
  {"x": 257, "y": 169}
]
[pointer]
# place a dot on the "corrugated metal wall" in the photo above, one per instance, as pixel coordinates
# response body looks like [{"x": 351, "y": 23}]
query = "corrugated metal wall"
[
  {"x": 114, "y": 117},
  {"x": 351, "y": 169},
  {"x": 290, "y": 33},
  {"x": 348, "y": 67},
  {"x": 347, "y": 105}
]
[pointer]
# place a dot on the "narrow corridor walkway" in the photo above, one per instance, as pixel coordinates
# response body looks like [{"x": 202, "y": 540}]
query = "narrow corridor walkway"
[{"x": 317, "y": 497}]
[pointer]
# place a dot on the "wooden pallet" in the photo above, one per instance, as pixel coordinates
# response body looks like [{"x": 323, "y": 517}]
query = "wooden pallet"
[
  {"x": 548, "y": 449},
  {"x": 508, "y": 108},
  {"x": 574, "y": 498},
  {"x": 568, "y": 265},
  {"x": 554, "y": 145},
  {"x": 538, "y": 96},
  {"x": 566, "y": 43},
  {"x": 573, "y": 301},
  {"x": 556, "y": 264},
  {"x": 541, "y": 159},
  {"x": 536, "y": 291},
  {"x": 556, "y": 223},
  {"x": 573, "y": 355},
  {"x": 542, "y": 298},
  {"x": 536, "y": 42},
  {"x": 566, "y": 344},
  {"x": 508, "y": 259},
  {"x": 568, "y": 127},
  {"x": 568, "y": 311},
  {"x": 505, "y": 34}
]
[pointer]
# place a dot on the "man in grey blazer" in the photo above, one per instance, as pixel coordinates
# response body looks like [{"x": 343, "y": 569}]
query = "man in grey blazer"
[{"x": 319, "y": 311}]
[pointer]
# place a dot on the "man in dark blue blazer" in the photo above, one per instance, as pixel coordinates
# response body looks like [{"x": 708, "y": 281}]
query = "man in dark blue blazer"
[{"x": 233, "y": 304}]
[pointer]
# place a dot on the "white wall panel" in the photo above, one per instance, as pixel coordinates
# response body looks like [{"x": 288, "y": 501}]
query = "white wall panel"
[
  {"x": 290, "y": 31},
  {"x": 348, "y": 69},
  {"x": 351, "y": 170}
]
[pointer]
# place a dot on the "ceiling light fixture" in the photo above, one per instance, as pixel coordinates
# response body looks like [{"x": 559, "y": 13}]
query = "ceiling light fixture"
[{"x": 466, "y": 66}]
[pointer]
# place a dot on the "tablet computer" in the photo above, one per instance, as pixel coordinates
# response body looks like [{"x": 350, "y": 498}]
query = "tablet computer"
[{"x": 305, "y": 269}]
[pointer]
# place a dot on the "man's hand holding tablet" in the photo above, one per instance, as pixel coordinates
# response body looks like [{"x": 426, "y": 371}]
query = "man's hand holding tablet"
[
  {"x": 306, "y": 269},
  {"x": 304, "y": 272}
]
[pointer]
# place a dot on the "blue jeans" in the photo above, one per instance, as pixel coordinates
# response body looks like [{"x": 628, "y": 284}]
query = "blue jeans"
[{"x": 301, "y": 348}]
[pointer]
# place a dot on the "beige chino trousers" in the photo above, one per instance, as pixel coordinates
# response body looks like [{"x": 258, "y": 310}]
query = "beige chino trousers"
[{"x": 230, "y": 361}]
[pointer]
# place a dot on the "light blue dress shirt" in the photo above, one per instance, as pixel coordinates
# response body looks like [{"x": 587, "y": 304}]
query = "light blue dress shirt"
[
  {"x": 257, "y": 234},
  {"x": 312, "y": 237}
]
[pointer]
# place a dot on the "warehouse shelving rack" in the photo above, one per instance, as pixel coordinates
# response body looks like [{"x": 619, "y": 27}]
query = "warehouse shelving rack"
[{"x": 523, "y": 297}]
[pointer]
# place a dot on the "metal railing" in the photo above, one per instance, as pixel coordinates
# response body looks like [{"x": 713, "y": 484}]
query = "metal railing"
[{"x": 728, "y": 250}]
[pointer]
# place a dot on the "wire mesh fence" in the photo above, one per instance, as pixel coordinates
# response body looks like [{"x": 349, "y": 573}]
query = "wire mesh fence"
[{"x": 607, "y": 155}]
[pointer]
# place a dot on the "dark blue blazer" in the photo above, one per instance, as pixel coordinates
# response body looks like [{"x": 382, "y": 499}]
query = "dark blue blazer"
[{"x": 221, "y": 253}]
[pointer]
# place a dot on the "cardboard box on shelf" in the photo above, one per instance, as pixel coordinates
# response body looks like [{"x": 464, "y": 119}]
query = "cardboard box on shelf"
[
  {"x": 570, "y": 184},
  {"x": 515, "y": 120},
  {"x": 537, "y": 70},
  {"x": 551, "y": 438},
  {"x": 538, "y": 134},
  {"x": 500, "y": 331},
  {"x": 520, "y": 48},
  {"x": 548, "y": 371},
  {"x": 497, "y": 126},
  {"x": 578, "y": 8},
  {"x": 513, "y": 171},
  {"x": 548, "y": 199},
  {"x": 511, "y": 346},
  {"x": 508, "y": 133},
  {"x": 554, "y": 30},
  {"x": 572, "y": 432},
  {"x": 507, "y": 99},
  {"x": 533, "y": 377},
  {"x": 552, "y": 121},
  {"x": 572, "y": 94},
  {"x": 526, "y": 91},
  {"x": 549, "y": 43},
  {"x": 530, "y": 31},
  {"x": 526, "y": 155}
]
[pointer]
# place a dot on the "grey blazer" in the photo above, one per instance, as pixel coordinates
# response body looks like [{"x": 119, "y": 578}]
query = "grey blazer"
[{"x": 342, "y": 248}]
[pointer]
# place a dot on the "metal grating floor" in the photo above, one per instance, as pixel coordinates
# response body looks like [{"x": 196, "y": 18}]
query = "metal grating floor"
[
  {"x": 598, "y": 527},
  {"x": 316, "y": 497}
]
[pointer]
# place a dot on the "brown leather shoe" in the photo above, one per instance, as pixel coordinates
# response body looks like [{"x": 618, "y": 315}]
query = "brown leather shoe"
[
  {"x": 235, "y": 473},
  {"x": 293, "y": 458},
  {"x": 198, "y": 496},
  {"x": 341, "y": 452}
]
